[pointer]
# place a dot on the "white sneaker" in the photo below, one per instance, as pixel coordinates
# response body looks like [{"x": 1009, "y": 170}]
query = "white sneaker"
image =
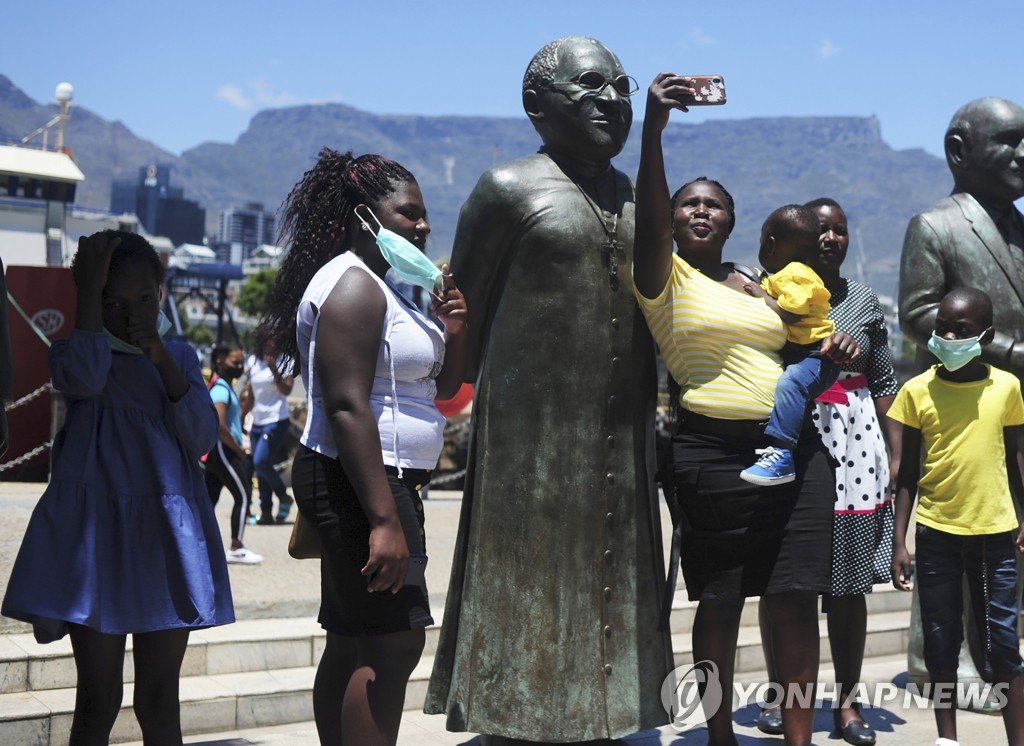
[
  {"x": 947, "y": 742},
  {"x": 243, "y": 556}
]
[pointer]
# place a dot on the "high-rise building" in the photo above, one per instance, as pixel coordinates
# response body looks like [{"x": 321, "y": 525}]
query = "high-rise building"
[
  {"x": 245, "y": 228},
  {"x": 161, "y": 208}
]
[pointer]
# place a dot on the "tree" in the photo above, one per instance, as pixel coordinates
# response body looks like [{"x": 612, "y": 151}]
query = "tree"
[
  {"x": 200, "y": 335},
  {"x": 255, "y": 293}
]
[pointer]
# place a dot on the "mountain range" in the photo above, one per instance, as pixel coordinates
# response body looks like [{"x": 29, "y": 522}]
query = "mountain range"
[{"x": 764, "y": 162}]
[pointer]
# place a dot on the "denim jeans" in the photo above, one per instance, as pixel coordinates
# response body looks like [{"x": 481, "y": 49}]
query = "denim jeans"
[
  {"x": 990, "y": 565},
  {"x": 803, "y": 379},
  {"x": 267, "y": 447}
]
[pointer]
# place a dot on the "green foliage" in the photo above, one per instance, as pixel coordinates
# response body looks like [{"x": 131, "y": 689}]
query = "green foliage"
[
  {"x": 252, "y": 300},
  {"x": 200, "y": 335}
]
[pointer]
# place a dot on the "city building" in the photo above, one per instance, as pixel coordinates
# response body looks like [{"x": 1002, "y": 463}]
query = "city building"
[
  {"x": 162, "y": 209},
  {"x": 264, "y": 256},
  {"x": 243, "y": 230}
]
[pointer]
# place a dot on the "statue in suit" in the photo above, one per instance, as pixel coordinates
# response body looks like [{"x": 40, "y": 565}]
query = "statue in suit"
[{"x": 972, "y": 238}]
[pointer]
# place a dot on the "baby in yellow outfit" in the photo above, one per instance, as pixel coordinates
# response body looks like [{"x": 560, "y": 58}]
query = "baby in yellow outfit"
[{"x": 789, "y": 241}]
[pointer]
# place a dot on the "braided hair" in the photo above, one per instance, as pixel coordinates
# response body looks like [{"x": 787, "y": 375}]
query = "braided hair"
[{"x": 315, "y": 215}]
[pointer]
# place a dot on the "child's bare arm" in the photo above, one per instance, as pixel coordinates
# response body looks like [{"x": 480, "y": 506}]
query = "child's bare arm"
[
  {"x": 93, "y": 263},
  {"x": 1011, "y": 441},
  {"x": 906, "y": 491}
]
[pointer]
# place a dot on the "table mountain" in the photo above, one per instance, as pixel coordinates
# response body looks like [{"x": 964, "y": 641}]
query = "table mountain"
[{"x": 764, "y": 162}]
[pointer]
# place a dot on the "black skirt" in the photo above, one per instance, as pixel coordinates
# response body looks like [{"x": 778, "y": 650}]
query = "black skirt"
[
  {"x": 326, "y": 499},
  {"x": 741, "y": 539}
]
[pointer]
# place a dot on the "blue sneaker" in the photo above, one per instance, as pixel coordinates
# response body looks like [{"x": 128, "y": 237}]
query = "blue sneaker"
[{"x": 774, "y": 467}]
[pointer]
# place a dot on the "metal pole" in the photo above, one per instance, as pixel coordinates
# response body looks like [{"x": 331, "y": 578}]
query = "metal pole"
[{"x": 221, "y": 297}]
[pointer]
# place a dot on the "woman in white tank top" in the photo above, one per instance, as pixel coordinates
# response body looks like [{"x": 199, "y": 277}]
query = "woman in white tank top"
[{"x": 372, "y": 364}]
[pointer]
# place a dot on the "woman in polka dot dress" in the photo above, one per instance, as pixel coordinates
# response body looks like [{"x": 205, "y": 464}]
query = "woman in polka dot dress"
[{"x": 847, "y": 417}]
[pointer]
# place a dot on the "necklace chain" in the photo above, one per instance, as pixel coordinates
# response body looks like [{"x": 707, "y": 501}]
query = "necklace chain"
[{"x": 602, "y": 215}]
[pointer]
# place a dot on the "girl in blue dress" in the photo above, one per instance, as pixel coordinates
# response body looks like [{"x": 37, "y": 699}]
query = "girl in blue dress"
[{"x": 124, "y": 539}]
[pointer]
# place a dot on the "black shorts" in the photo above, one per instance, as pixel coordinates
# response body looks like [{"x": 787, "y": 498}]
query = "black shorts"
[{"x": 326, "y": 499}]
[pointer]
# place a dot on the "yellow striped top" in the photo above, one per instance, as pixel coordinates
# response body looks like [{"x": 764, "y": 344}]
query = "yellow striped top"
[{"x": 719, "y": 344}]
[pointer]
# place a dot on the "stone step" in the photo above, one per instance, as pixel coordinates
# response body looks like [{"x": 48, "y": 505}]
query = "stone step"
[
  {"x": 213, "y": 703},
  {"x": 260, "y": 673},
  {"x": 254, "y": 645},
  {"x": 886, "y": 636},
  {"x": 257, "y": 699},
  {"x": 242, "y": 647},
  {"x": 884, "y": 599},
  {"x": 209, "y": 704},
  {"x": 270, "y": 644},
  {"x": 895, "y": 723}
]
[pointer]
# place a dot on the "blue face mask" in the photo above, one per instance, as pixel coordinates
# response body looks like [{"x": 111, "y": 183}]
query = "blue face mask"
[
  {"x": 119, "y": 345},
  {"x": 408, "y": 262},
  {"x": 954, "y": 353}
]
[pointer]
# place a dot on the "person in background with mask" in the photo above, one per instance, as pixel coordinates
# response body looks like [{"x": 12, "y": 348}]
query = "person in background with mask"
[
  {"x": 227, "y": 465},
  {"x": 268, "y": 384}
]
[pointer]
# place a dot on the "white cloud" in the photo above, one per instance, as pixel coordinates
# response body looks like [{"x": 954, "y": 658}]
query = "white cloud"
[
  {"x": 698, "y": 36},
  {"x": 827, "y": 48},
  {"x": 264, "y": 95},
  {"x": 259, "y": 94},
  {"x": 234, "y": 96}
]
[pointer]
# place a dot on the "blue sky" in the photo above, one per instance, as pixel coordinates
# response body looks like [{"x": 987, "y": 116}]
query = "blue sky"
[{"x": 184, "y": 72}]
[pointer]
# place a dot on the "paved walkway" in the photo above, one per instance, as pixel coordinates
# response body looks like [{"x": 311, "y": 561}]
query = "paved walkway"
[{"x": 896, "y": 726}]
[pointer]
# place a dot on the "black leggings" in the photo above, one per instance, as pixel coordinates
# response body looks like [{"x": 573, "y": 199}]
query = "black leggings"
[{"x": 225, "y": 468}]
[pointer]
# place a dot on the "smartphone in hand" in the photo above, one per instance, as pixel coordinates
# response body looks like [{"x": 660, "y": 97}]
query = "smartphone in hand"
[
  {"x": 416, "y": 574},
  {"x": 709, "y": 91}
]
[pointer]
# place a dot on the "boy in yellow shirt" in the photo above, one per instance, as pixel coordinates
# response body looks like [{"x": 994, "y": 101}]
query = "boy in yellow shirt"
[
  {"x": 967, "y": 415},
  {"x": 789, "y": 244}
]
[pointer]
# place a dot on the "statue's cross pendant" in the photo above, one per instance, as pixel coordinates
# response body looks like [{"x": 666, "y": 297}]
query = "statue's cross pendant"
[{"x": 612, "y": 252}]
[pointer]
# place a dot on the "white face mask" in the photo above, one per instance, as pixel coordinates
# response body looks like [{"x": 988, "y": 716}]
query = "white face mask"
[
  {"x": 117, "y": 344},
  {"x": 408, "y": 262},
  {"x": 954, "y": 353}
]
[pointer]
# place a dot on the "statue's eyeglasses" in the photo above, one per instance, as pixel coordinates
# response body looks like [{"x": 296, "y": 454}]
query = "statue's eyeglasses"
[{"x": 592, "y": 81}]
